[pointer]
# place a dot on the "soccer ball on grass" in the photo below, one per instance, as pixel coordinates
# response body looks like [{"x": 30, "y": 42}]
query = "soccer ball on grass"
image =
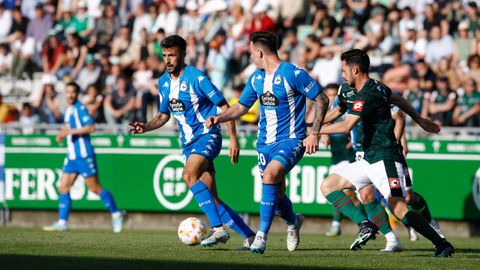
[{"x": 191, "y": 231}]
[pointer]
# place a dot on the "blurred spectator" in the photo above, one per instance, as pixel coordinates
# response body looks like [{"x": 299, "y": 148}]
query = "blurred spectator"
[
  {"x": 53, "y": 55},
  {"x": 28, "y": 119},
  {"x": 83, "y": 23},
  {"x": 413, "y": 94},
  {"x": 6, "y": 59},
  {"x": 426, "y": 75},
  {"x": 168, "y": 18},
  {"x": 396, "y": 77},
  {"x": 191, "y": 22},
  {"x": 157, "y": 39},
  {"x": 5, "y": 21},
  {"x": 196, "y": 55},
  {"x": 439, "y": 46},
  {"x": 253, "y": 114},
  {"x": 107, "y": 26},
  {"x": 23, "y": 48},
  {"x": 144, "y": 47},
  {"x": 124, "y": 48},
  {"x": 327, "y": 69},
  {"x": 114, "y": 74},
  {"x": 28, "y": 7},
  {"x": 445, "y": 69},
  {"x": 40, "y": 26},
  {"x": 464, "y": 46},
  {"x": 75, "y": 57},
  {"x": 221, "y": 49},
  {"x": 119, "y": 103},
  {"x": 260, "y": 21},
  {"x": 46, "y": 103},
  {"x": 473, "y": 70},
  {"x": 93, "y": 100},
  {"x": 467, "y": 111},
  {"x": 142, "y": 82},
  {"x": 432, "y": 18},
  {"x": 143, "y": 21},
  {"x": 90, "y": 74},
  {"x": 439, "y": 104},
  {"x": 325, "y": 24},
  {"x": 20, "y": 22}
]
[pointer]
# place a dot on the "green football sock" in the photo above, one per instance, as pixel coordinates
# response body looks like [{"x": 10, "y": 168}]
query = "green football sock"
[
  {"x": 420, "y": 224},
  {"x": 337, "y": 215},
  {"x": 420, "y": 205},
  {"x": 378, "y": 215},
  {"x": 343, "y": 203}
]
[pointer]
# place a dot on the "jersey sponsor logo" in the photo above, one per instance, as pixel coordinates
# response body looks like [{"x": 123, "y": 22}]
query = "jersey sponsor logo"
[
  {"x": 358, "y": 105},
  {"x": 269, "y": 99},
  {"x": 176, "y": 106},
  {"x": 183, "y": 86},
  {"x": 351, "y": 93},
  {"x": 211, "y": 94},
  {"x": 277, "y": 80},
  {"x": 394, "y": 183}
]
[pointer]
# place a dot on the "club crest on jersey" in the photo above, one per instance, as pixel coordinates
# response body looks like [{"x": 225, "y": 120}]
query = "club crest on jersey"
[
  {"x": 269, "y": 99},
  {"x": 394, "y": 183},
  {"x": 277, "y": 80},
  {"x": 176, "y": 106},
  {"x": 183, "y": 86},
  {"x": 358, "y": 105}
]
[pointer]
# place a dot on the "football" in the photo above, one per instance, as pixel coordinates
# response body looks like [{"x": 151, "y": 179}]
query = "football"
[{"x": 191, "y": 231}]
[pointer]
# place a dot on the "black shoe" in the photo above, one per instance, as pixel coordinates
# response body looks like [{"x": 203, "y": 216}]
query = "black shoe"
[
  {"x": 444, "y": 250},
  {"x": 366, "y": 232}
]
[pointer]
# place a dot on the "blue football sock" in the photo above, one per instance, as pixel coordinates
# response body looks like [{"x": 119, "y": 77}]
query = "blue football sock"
[
  {"x": 205, "y": 201},
  {"x": 285, "y": 210},
  {"x": 267, "y": 206},
  {"x": 108, "y": 201},
  {"x": 233, "y": 220},
  {"x": 64, "y": 204}
]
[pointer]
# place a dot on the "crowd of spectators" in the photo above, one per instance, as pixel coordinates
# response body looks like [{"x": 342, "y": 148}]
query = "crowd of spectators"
[{"x": 428, "y": 51}]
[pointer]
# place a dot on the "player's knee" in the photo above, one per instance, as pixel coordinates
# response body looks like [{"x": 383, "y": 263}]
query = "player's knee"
[
  {"x": 269, "y": 177},
  {"x": 63, "y": 188},
  {"x": 330, "y": 184},
  {"x": 189, "y": 177},
  {"x": 94, "y": 187},
  {"x": 398, "y": 206}
]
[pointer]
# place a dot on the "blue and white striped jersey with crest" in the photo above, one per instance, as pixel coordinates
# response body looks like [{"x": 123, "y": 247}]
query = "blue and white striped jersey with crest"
[
  {"x": 191, "y": 100},
  {"x": 282, "y": 101},
  {"x": 78, "y": 146}
]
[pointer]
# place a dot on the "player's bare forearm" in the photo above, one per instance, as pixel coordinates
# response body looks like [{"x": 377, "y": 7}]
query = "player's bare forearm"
[
  {"x": 399, "y": 129},
  {"x": 230, "y": 124},
  {"x": 232, "y": 113},
  {"x": 405, "y": 106},
  {"x": 157, "y": 122},
  {"x": 333, "y": 114},
  {"x": 343, "y": 127},
  {"x": 321, "y": 106}
]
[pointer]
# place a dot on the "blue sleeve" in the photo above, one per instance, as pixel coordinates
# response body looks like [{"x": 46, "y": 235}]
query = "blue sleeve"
[
  {"x": 249, "y": 95},
  {"x": 305, "y": 84},
  {"x": 163, "y": 98},
  {"x": 209, "y": 90},
  {"x": 85, "y": 118},
  {"x": 335, "y": 103}
]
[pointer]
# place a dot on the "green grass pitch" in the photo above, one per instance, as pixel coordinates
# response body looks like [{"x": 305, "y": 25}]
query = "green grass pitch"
[{"x": 101, "y": 249}]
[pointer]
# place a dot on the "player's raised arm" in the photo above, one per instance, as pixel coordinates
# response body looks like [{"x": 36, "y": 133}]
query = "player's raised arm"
[
  {"x": 158, "y": 121},
  {"x": 233, "y": 149},
  {"x": 427, "y": 124}
]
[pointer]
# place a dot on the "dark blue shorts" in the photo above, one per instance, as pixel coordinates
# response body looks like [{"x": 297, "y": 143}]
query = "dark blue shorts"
[{"x": 288, "y": 152}]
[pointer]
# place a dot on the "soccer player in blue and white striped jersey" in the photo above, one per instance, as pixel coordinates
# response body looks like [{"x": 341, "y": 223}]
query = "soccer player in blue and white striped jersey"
[
  {"x": 188, "y": 95},
  {"x": 281, "y": 89},
  {"x": 80, "y": 160}
]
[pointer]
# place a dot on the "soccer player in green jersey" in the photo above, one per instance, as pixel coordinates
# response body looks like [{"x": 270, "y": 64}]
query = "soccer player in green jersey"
[{"x": 381, "y": 165}]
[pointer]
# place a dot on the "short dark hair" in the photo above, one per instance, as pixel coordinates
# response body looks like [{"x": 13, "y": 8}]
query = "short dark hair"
[
  {"x": 357, "y": 57},
  {"x": 75, "y": 86},
  {"x": 267, "y": 39},
  {"x": 332, "y": 85},
  {"x": 174, "y": 41}
]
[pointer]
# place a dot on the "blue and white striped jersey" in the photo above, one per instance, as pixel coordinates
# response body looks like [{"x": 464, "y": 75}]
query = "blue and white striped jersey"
[
  {"x": 191, "y": 100},
  {"x": 78, "y": 146},
  {"x": 282, "y": 101}
]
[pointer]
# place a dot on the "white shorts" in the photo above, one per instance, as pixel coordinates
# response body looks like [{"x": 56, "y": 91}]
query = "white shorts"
[
  {"x": 337, "y": 166},
  {"x": 387, "y": 176}
]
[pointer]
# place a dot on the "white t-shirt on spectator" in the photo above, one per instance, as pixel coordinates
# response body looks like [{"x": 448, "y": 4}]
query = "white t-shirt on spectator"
[
  {"x": 6, "y": 23},
  {"x": 169, "y": 22},
  {"x": 190, "y": 24},
  {"x": 327, "y": 70},
  {"x": 6, "y": 60},
  {"x": 438, "y": 49},
  {"x": 144, "y": 21},
  {"x": 27, "y": 48}
]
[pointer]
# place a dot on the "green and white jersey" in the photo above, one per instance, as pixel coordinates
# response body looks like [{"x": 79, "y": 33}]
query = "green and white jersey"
[
  {"x": 465, "y": 102},
  {"x": 372, "y": 104},
  {"x": 415, "y": 98}
]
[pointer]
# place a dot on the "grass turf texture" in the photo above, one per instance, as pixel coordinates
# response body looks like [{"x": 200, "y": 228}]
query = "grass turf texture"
[{"x": 101, "y": 249}]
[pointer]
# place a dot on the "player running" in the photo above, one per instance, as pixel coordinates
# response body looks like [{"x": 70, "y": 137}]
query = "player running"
[
  {"x": 381, "y": 164},
  {"x": 80, "y": 160},
  {"x": 188, "y": 95},
  {"x": 281, "y": 89}
]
